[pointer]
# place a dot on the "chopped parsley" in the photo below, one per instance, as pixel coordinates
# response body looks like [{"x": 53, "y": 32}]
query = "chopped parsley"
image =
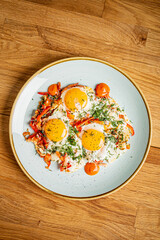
[
  {"x": 84, "y": 154},
  {"x": 111, "y": 139},
  {"x": 112, "y": 105},
  {"x": 101, "y": 112},
  {"x": 53, "y": 149},
  {"x": 71, "y": 140},
  {"x": 114, "y": 123}
]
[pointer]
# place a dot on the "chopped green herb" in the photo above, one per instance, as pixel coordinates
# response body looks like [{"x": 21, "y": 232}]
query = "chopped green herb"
[
  {"x": 71, "y": 140},
  {"x": 114, "y": 123},
  {"x": 112, "y": 105},
  {"x": 112, "y": 139},
  {"x": 75, "y": 130},
  {"x": 69, "y": 151},
  {"x": 54, "y": 149},
  {"x": 84, "y": 152},
  {"x": 120, "y": 122}
]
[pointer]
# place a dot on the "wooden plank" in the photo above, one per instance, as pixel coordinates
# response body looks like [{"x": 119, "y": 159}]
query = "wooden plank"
[
  {"x": 144, "y": 188},
  {"x": 153, "y": 156},
  {"x": 141, "y": 13},
  {"x": 90, "y": 7},
  {"x": 10, "y": 231},
  {"x": 153, "y": 42},
  {"x": 146, "y": 235},
  {"x": 19, "y": 232},
  {"x": 74, "y": 23},
  {"x": 50, "y": 38},
  {"x": 148, "y": 219},
  {"x": 2, "y": 19}
]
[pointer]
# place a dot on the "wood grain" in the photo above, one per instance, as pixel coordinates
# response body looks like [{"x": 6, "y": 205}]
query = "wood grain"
[
  {"x": 90, "y": 7},
  {"x": 34, "y": 33},
  {"x": 141, "y": 13}
]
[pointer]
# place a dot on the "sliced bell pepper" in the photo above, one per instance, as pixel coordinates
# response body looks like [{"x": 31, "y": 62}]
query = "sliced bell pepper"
[
  {"x": 32, "y": 135},
  {"x": 131, "y": 129},
  {"x": 70, "y": 115},
  {"x": 47, "y": 159},
  {"x": 121, "y": 116},
  {"x": 43, "y": 93},
  {"x": 33, "y": 126},
  {"x": 69, "y": 86},
  {"x": 42, "y": 113},
  {"x": 46, "y": 103}
]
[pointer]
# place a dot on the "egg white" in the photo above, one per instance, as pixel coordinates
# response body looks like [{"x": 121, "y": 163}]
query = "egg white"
[{"x": 81, "y": 111}]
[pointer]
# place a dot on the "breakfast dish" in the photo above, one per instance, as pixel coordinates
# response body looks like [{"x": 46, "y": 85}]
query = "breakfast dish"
[
  {"x": 77, "y": 127},
  {"x": 79, "y": 185}
]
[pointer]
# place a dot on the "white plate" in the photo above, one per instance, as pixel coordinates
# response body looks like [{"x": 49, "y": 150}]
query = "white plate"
[{"x": 90, "y": 72}]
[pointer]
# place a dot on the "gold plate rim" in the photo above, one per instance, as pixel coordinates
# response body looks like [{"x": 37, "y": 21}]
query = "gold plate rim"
[{"x": 146, "y": 151}]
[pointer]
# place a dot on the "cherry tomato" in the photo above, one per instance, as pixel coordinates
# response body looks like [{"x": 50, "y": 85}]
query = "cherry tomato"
[
  {"x": 54, "y": 89},
  {"x": 102, "y": 90},
  {"x": 91, "y": 168}
]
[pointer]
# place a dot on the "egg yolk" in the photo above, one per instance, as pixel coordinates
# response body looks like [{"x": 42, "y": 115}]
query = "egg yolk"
[
  {"x": 55, "y": 130},
  {"x": 91, "y": 168},
  {"x": 92, "y": 139},
  {"x": 75, "y": 99}
]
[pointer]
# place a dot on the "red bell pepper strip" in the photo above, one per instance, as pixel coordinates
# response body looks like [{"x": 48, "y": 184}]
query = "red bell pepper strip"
[
  {"x": 131, "y": 129},
  {"x": 32, "y": 135},
  {"x": 69, "y": 86},
  {"x": 121, "y": 116},
  {"x": 43, "y": 140},
  {"x": 61, "y": 168},
  {"x": 42, "y": 113},
  {"x": 33, "y": 126},
  {"x": 70, "y": 115},
  {"x": 59, "y": 86},
  {"x": 80, "y": 123},
  {"x": 69, "y": 165},
  {"x": 43, "y": 93},
  {"x": 47, "y": 159},
  {"x": 47, "y": 103}
]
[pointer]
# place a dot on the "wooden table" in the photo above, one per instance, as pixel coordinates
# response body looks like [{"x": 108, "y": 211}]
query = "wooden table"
[{"x": 36, "y": 32}]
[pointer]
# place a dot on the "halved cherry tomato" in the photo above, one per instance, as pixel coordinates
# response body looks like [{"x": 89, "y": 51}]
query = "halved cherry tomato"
[
  {"x": 54, "y": 89},
  {"x": 91, "y": 168},
  {"x": 102, "y": 90}
]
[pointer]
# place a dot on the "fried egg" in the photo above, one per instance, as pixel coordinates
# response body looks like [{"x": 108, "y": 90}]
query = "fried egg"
[
  {"x": 93, "y": 139},
  {"x": 55, "y": 130},
  {"x": 62, "y": 139},
  {"x": 56, "y": 127},
  {"x": 78, "y": 100}
]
